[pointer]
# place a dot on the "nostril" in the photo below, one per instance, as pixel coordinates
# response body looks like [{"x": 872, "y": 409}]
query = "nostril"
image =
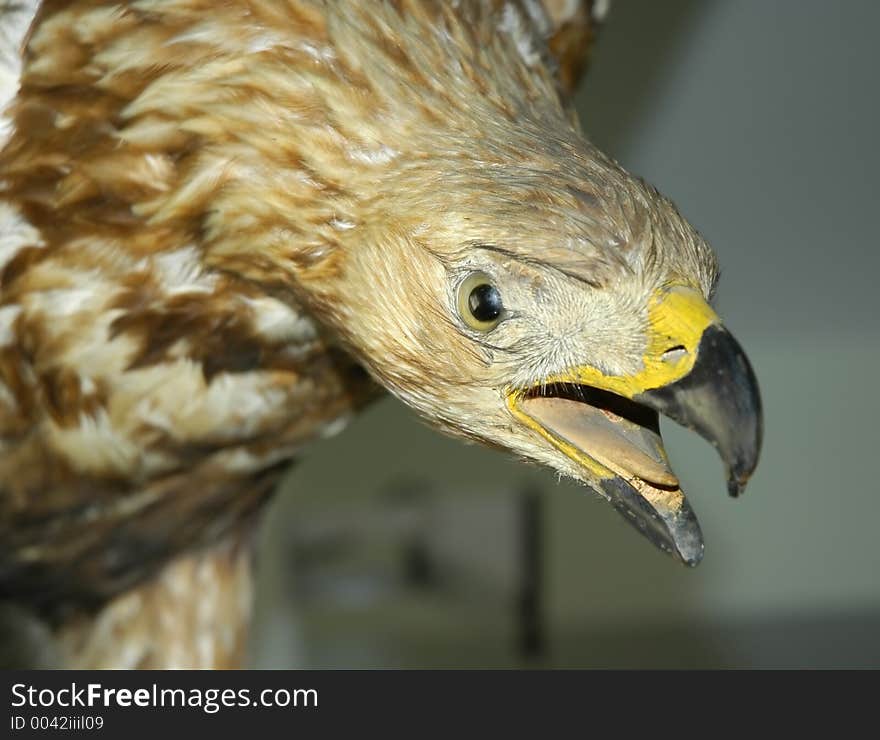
[{"x": 674, "y": 353}]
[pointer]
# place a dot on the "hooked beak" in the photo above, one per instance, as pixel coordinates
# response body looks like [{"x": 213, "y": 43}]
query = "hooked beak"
[
  {"x": 719, "y": 399},
  {"x": 695, "y": 373}
]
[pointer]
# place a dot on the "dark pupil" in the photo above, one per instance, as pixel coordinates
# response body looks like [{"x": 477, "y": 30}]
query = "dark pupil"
[{"x": 484, "y": 302}]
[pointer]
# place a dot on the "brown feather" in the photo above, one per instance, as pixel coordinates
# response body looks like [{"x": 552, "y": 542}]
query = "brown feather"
[{"x": 200, "y": 200}]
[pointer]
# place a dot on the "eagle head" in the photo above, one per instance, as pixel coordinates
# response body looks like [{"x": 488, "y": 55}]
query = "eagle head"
[{"x": 521, "y": 289}]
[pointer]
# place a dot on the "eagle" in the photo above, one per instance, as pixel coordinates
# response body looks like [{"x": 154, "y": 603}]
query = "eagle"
[{"x": 226, "y": 227}]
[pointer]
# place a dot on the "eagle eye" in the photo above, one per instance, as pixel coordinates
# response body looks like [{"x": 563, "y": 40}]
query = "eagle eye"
[{"x": 479, "y": 302}]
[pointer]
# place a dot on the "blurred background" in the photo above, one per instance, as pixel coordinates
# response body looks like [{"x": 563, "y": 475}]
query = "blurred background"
[{"x": 394, "y": 546}]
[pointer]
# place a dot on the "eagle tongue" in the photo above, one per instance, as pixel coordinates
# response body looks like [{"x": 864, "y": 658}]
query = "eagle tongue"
[{"x": 623, "y": 446}]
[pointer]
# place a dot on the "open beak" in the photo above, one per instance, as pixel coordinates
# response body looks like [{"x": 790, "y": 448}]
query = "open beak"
[{"x": 693, "y": 372}]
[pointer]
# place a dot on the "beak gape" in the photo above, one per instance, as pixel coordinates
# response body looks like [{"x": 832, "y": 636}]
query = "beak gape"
[{"x": 610, "y": 425}]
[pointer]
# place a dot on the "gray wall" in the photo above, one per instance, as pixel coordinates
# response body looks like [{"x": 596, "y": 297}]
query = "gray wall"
[{"x": 759, "y": 119}]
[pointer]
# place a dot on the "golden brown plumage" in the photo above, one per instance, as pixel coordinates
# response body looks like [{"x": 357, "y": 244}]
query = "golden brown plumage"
[
  {"x": 215, "y": 214},
  {"x": 161, "y": 371}
]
